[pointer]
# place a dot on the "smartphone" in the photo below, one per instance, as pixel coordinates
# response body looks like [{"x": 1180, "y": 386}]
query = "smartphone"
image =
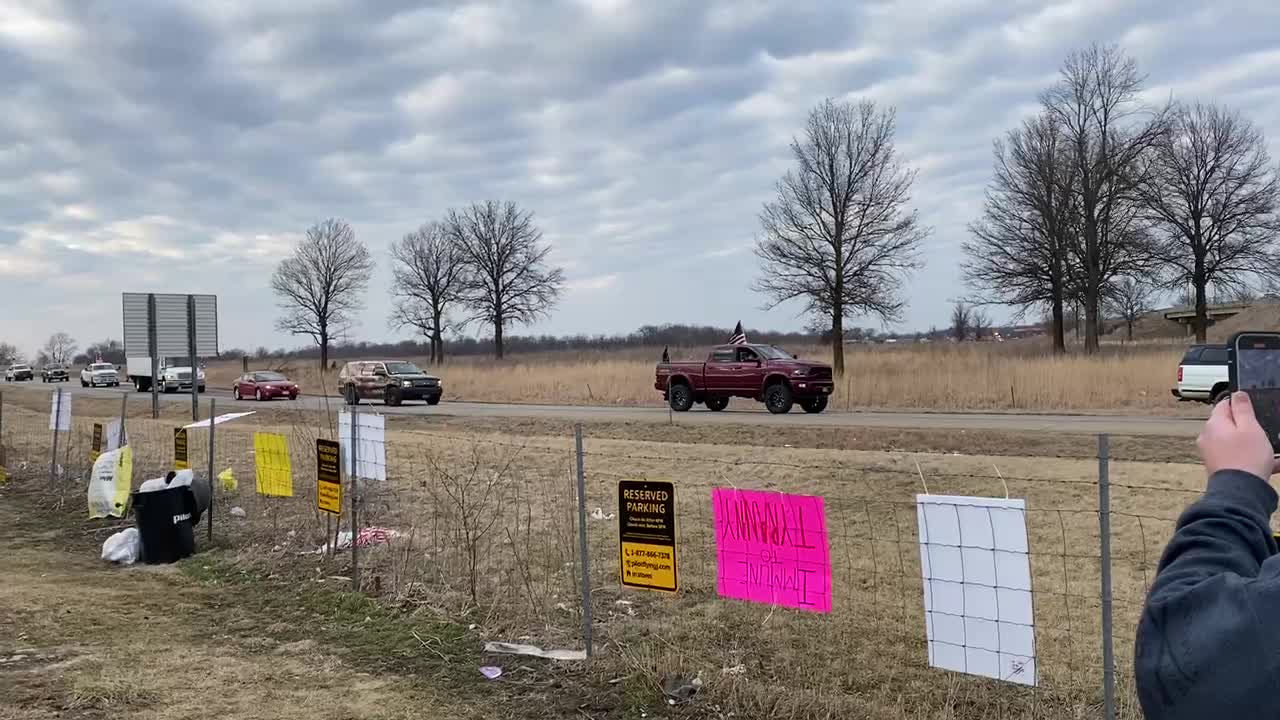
[{"x": 1254, "y": 367}]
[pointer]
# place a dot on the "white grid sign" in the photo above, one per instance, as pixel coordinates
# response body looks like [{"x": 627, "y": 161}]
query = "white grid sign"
[
  {"x": 977, "y": 586},
  {"x": 371, "y": 460},
  {"x": 60, "y": 411}
]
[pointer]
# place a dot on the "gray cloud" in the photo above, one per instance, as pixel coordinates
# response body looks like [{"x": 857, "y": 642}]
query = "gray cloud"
[{"x": 184, "y": 145}]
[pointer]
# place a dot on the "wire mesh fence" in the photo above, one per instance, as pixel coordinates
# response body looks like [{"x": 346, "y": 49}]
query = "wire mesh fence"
[{"x": 486, "y": 526}]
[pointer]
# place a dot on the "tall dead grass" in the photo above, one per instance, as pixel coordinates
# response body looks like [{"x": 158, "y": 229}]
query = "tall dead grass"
[{"x": 973, "y": 376}]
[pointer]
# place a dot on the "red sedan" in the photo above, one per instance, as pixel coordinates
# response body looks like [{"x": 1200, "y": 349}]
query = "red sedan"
[{"x": 264, "y": 385}]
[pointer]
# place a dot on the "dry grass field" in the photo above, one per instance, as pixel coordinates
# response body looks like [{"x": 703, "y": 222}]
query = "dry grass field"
[
  {"x": 486, "y": 549},
  {"x": 973, "y": 376}
]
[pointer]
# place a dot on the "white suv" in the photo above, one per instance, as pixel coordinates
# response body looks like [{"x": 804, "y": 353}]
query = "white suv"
[
  {"x": 1203, "y": 375},
  {"x": 96, "y": 374}
]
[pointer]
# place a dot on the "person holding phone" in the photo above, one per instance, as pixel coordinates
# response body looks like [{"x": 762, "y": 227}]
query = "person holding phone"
[{"x": 1208, "y": 642}]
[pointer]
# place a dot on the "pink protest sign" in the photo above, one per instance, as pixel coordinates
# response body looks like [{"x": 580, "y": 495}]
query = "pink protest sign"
[{"x": 772, "y": 548}]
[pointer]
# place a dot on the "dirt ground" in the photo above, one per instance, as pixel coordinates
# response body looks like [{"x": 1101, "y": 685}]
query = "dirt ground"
[{"x": 79, "y": 639}]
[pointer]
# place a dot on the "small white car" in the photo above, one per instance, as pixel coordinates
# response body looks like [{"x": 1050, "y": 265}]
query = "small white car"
[{"x": 99, "y": 374}]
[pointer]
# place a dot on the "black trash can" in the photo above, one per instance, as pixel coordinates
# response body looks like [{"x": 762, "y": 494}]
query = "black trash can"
[{"x": 166, "y": 523}]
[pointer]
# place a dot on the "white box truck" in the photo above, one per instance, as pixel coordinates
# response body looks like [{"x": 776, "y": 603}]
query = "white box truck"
[{"x": 172, "y": 378}]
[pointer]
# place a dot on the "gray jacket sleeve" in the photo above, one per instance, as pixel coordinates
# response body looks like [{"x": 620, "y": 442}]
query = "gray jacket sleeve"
[{"x": 1208, "y": 642}]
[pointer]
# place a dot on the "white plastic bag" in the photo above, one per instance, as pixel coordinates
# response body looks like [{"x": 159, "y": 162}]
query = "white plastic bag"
[
  {"x": 180, "y": 478},
  {"x": 123, "y": 547}
]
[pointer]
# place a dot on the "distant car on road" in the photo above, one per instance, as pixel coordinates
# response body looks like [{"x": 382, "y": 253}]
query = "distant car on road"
[
  {"x": 394, "y": 381},
  {"x": 19, "y": 372},
  {"x": 1203, "y": 375},
  {"x": 760, "y": 372},
  {"x": 99, "y": 374},
  {"x": 54, "y": 372},
  {"x": 264, "y": 385}
]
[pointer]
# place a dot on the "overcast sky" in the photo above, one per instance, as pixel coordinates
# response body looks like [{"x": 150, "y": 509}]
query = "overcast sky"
[{"x": 155, "y": 145}]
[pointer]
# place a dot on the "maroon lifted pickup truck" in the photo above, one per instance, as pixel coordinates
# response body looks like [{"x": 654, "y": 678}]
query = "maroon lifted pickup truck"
[{"x": 760, "y": 372}]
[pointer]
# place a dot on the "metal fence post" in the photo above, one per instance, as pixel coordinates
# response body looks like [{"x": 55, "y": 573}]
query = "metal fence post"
[
  {"x": 2, "y": 429},
  {"x": 355, "y": 491},
  {"x": 1104, "y": 535},
  {"x": 583, "y": 546},
  {"x": 57, "y": 420},
  {"x": 212, "y": 485},
  {"x": 121, "y": 438}
]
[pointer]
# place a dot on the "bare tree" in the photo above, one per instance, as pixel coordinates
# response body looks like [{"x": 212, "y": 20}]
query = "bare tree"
[
  {"x": 1212, "y": 195},
  {"x": 980, "y": 321},
  {"x": 1095, "y": 104},
  {"x": 1019, "y": 251},
  {"x": 320, "y": 286},
  {"x": 1130, "y": 299},
  {"x": 427, "y": 279},
  {"x": 9, "y": 354},
  {"x": 840, "y": 236},
  {"x": 59, "y": 348},
  {"x": 961, "y": 321},
  {"x": 507, "y": 279}
]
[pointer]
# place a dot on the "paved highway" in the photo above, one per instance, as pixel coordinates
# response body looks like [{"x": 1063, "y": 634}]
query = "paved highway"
[{"x": 745, "y": 413}]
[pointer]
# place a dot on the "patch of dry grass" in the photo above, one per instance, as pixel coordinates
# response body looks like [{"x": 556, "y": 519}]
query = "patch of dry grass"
[{"x": 941, "y": 376}]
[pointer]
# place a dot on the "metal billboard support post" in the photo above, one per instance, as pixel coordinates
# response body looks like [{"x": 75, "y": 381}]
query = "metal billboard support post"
[
  {"x": 355, "y": 491},
  {"x": 191, "y": 352},
  {"x": 583, "y": 547},
  {"x": 153, "y": 349},
  {"x": 1104, "y": 534},
  {"x": 57, "y": 420},
  {"x": 212, "y": 487},
  {"x": 124, "y": 407}
]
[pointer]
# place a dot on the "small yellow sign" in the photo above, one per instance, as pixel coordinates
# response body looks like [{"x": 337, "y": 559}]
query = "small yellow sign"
[
  {"x": 180, "y": 459},
  {"x": 647, "y": 534},
  {"x": 328, "y": 477},
  {"x": 649, "y": 566},
  {"x": 275, "y": 471},
  {"x": 96, "y": 449}
]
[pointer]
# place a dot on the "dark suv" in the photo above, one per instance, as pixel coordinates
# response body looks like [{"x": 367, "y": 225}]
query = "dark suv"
[
  {"x": 53, "y": 372},
  {"x": 394, "y": 381}
]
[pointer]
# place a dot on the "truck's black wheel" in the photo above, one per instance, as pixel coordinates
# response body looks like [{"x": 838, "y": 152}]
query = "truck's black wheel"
[
  {"x": 350, "y": 395},
  {"x": 814, "y": 405},
  {"x": 716, "y": 404},
  {"x": 391, "y": 396},
  {"x": 777, "y": 398},
  {"x": 433, "y": 400},
  {"x": 680, "y": 396}
]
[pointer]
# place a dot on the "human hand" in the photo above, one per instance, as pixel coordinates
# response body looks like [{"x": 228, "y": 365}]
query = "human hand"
[{"x": 1233, "y": 439}]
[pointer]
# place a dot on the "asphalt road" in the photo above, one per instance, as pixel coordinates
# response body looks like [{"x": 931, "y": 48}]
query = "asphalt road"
[{"x": 743, "y": 413}]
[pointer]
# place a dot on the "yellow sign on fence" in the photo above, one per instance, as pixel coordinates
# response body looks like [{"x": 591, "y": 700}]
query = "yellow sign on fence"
[
  {"x": 647, "y": 534},
  {"x": 96, "y": 448},
  {"x": 180, "y": 460},
  {"x": 328, "y": 477},
  {"x": 271, "y": 457}
]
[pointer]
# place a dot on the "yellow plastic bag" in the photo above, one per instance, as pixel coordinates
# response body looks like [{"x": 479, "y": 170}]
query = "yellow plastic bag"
[
  {"x": 110, "y": 483},
  {"x": 228, "y": 479}
]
